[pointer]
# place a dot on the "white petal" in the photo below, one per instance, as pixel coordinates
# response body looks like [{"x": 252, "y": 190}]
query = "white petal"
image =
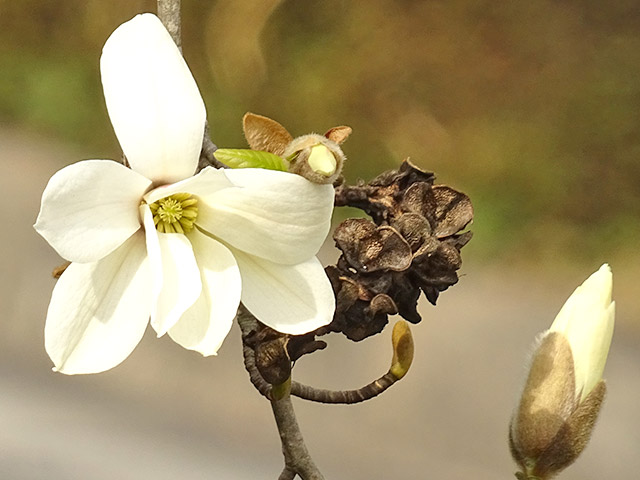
[
  {"x": 181, "y": 283},
  {"x": 293, "y": 299},
  {"x": 204, "y": 326},
  {"x": 90, "y": 208},
  {"x": 587, "y": 320},
  {"x": 154, "y": 255},
  {"x": 153, "y": 101},
  {"x": 99, "y": 311},
  {"x": 206, "y": 182},
  {"x": 278, "y": 216}
]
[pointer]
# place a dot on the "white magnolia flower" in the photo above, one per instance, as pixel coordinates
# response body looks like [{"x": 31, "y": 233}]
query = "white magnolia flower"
[
  {"x": 586, "y": 321},
  {"x": 156, "y": 242}
]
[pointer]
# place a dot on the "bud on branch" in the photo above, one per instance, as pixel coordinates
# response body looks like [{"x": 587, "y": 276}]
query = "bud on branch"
[{"x": 564, "y": 390}]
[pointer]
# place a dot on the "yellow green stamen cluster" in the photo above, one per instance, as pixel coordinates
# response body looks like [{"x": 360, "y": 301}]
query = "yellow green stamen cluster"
[{"x": 175, "y": 214}]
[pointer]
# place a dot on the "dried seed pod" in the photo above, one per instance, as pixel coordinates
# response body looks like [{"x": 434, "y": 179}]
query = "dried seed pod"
[
  {"x": 368, "y": 248},
  {"x": 411, "y": 245}
]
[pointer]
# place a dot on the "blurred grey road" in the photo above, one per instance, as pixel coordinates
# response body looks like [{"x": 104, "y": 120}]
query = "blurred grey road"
[{"x": 166, "y": 413}]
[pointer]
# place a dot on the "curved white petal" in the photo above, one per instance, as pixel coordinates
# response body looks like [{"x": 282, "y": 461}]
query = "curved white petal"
[
  {"x": 587, "y": 320},
  {"x": 181, "y": 283},
  {"x": 154, "y": 255},
  {"x": 153, "y": 101},
  {"x": 278, "y": 216},
  {"x": 204, "y": 326},
  {"x": 206, "y": 182},
  {"x": 90, "y": 208},
  {"x": 99, "y": 311},
  {"x": 293, "y": 299}
]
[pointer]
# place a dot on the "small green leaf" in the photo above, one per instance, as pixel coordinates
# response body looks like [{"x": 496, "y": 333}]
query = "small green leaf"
[{"x": 245, "y": 158}]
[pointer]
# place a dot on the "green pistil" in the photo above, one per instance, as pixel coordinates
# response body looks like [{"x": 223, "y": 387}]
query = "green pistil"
[{"x": 175, "y": 214}]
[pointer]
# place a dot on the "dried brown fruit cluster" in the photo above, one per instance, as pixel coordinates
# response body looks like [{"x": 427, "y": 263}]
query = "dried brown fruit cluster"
[{"x": 412, "y": 244}]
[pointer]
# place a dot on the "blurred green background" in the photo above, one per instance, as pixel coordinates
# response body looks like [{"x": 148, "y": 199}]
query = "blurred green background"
[{"x": 532, "y": 108}]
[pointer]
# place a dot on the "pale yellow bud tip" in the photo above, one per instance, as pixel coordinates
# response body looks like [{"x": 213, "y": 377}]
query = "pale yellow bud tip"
[
  {"x": 587, "y": 320},
  {"x": 402, "y": 342},
  {"x": 322, "y": 161}
]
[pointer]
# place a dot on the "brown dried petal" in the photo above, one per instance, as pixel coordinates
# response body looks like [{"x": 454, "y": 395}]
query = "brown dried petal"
[
  {"x": 273, "y": 361},
  {"x": 371, "y": 249},
  {"x": 355, "y": 290},
  {"x": 432, "y": 293},
  {"x": 338, "y": 134},
  {"x": 446, "y": 257},
  {"x": 426, "y": 250},
  {"x": 376, "y": 282},
  {"x": 416, "y": 200},
  {"x": 438, "y": 266},
  {"x": 300, "y": 345},
  {"x": 453, "y": 212},
  {"x": 411, "y": 173},
  {"x": 359, "y": 322},
  {"x": 458, "y": 241},
  {"x": 414, "y": 228},
  {"x": 406, "y": 297},
  {"x": 265, "y": 134},
  {"x": 347, "y": 295},
  {"x": 382, "y": 303}
]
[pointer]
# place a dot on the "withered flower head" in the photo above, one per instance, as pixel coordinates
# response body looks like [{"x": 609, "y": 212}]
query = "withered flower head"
[{"x": 411, "y": 244}]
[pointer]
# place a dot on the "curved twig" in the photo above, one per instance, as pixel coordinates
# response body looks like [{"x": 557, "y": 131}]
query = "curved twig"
[{"x": 348, "y": 397}]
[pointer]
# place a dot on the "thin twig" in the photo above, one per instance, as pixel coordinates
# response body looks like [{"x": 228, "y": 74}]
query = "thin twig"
[
  {"x": 248, "y": 324},
  {"x": 169, "y": 13},
  {"x": 287, "y": 474},
  {"x": 208, "y": 148},
  {"x": 296, "y": 455},
  {"x": 343, "y": 397}
]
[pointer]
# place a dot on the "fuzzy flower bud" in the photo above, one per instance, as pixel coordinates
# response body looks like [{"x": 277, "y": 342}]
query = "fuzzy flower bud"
[
  {"x": 315, "y": 157},
  {"x": 564, "y": 389}
]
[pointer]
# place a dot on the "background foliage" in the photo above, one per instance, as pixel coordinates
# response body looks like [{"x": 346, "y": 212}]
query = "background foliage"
[
  {"x": 529, "y": 107},
  {"x": 532, "y": 108}
]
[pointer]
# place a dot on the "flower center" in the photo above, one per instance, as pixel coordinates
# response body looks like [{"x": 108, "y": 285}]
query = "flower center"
[{"x": 175, "y": 214}]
